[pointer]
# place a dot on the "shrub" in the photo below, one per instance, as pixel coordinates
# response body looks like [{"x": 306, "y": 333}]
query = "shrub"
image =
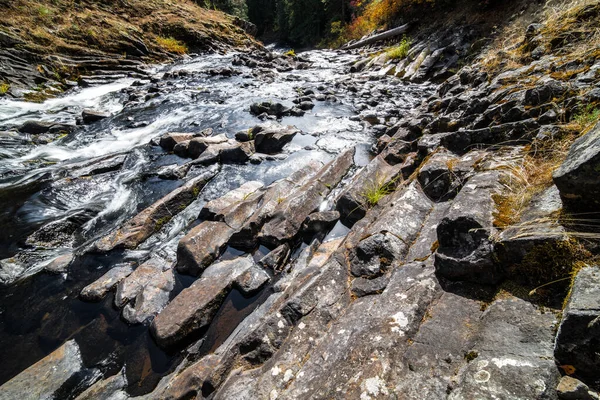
[
  {"x": 587, "y": 116},
  {"x": 4, "y": 88},
  {"x": 290, "y": 53},
  {"x": 172, "y": 45},
  {"x": 399, "y": 51}
]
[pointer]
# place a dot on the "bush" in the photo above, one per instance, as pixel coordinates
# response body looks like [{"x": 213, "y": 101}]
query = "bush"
[
  {"x": 172, "y": 45},
  {"x": 4, "y": 88}
]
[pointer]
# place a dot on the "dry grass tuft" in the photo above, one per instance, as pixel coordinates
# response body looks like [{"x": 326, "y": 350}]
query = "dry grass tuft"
[{"x": 172, "y": 45}]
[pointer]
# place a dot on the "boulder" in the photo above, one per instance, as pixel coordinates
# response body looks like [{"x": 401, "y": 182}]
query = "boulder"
[
  {"x": 154, "y": 217},
  {"x": 39, "y": 127},
  {"x": 577, "y": 178},
  {"x": 169, "y": 140},
  {"x": 579, "y": 331},
  {"x": 320, "y": 222},
  {"x": 276, "y": 258},
  {"x": 111, "y": 388},
  {"x": 195, "y": 307},
  {"x": 438, "y": 177},
  {"x": 129, "y": 287},
  {"x": 272, "y": 139},
  {"x": 237, "y": 153}
]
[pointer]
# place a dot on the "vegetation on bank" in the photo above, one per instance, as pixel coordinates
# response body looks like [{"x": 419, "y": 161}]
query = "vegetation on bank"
[{"x": 127, "y": 27}]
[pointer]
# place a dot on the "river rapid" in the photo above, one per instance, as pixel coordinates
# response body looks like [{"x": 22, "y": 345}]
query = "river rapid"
[{"x": 59, "y": 196}]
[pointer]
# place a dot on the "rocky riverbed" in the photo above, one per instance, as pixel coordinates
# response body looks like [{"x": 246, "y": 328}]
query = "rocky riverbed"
[{"x": 267, "y": 226}]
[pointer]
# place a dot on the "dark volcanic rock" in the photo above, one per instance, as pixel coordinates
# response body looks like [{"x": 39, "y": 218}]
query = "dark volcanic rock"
[
  {"x": 465, "y": 249},
  {"x": 91, "y": 116},
  {"x": 271, "y": 140},
  {"x": 579, "y": 332},
  {"x": 153, "y": 218},
  {"x": 320, "y": 222},
  {"x": 364, "y": 287},
  {"x": 577, "y": 178}
]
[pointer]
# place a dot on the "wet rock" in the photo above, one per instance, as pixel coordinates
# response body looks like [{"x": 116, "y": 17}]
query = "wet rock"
[
  {"x": 238, "y": 153},
  {"x": 577, "y": 178},
  {"x": 133, "y": 284},
  {"x": 152, "y": 298},
  {"x": 97, "y": 290},
  {"x": 579, "y": 332},
  {"x": 291, "y": 213},
  {"x": 196, "y": 306},
  {"x": 320, "y": 222},
  {"x": 40, "y": 127},
  {"x": 216, "y": 209},
  {"x": 181, "y": 149},
  {"x": 353, "y": 202},
  {"x": 170, "y": 140},
  {"x": 271, "y": 140},
  {"x": 572, "y": 389},
  {"x": 306, "y": 105},
  {"x": 276, "y": 258},
  {"x": 197, "y": 146},
  {"x": 465, "y": 249},
  {"x": 112, "y": 388},
  {"x": 275, "y": 109},
  {"x": 44, "y": 378},
  {"x": 60, "y": 264},
  {"x": 58, "y": 233},
  {"x": 363, "y": 287},
  {"x": 201, "y": 246},
  {"x": 154, "y": 217},
  {"x": 91, "y": 116}
]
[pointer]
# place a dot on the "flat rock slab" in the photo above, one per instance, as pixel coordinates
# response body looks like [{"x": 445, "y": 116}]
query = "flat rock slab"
[
  {"x": 129, "y": 287},
  {"x": 45, "y": 377},
  {"x": 195, "y": 307},
  {"x": 151, "y": 299},
  {"x": 154, "y": 217}
]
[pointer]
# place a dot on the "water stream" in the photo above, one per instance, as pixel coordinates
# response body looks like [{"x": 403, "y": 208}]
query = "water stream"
[{"x": 57, "y": 198}]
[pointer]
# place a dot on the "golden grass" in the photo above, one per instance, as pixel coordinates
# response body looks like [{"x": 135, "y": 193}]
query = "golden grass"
[
  {"x": 400, "y": 51},
  {"x": 4, "y": 88},
  {"x": 172, "y": 45}
]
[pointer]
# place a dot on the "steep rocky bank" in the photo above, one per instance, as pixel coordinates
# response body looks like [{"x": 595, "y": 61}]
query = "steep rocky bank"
[
  {"x": 48, "y": 47},
  {"x": 404, "y": 239}
]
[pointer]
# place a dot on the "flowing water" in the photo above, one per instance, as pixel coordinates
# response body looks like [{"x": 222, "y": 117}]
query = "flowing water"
[{"x": 57, "y": 198}]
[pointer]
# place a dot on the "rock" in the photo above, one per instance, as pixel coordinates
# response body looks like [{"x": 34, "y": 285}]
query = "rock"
[
  {"x": 276, "y": 258},
  {"x": 181, "y": 148},
  {"x": 201, "y": 246},
  {"x": 169, "y": 140},
  {"x": 291, "y": 213},
  {"x": 320, "y": 222},
  {"x": 374, "y": 255},
  {"x": 154, "y": 217},
  {"x": 572, "y": 389},
  {"x": 112, "y": 388},
  {"x": 545, "y": 91},
  {"x": 198, "y": 145},
  {"x": 438, "y": 177},
  {"x": 152, "y": 298},
  {"x": 577, "y": 178},
  {"x": 271, "y": 140},
  {"x": 353, "y": 202},
  {"x": 97, "y": 290},
  {"x": 306, "y": 105},
  {"x": 91, "y": 116},
  {"x": 195, "y": 307},
  {"x": 465, "y": 250},
  {"x": 215, "y": 209},
  {"x": 238, "y": 153},
  {"x": 46, "y": 377},
  {"x": 251, "y": 281},
  {"x": 275, "y": 109},
  {"x": 133, "y": 284},
  {"x": 363, "y": 287},
  {"x": 60, "y": 264},
  {"x": 579, "y": 332},
  {"x": 39, "y": 127}
]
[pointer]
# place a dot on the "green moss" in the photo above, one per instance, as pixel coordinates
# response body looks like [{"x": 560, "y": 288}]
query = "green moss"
[
  {"x": 159, "y": 223},
  {"x": 4, "y": 88},
  {"x": 195, "y": 191},
  {"x": 471, "y": 355}
]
